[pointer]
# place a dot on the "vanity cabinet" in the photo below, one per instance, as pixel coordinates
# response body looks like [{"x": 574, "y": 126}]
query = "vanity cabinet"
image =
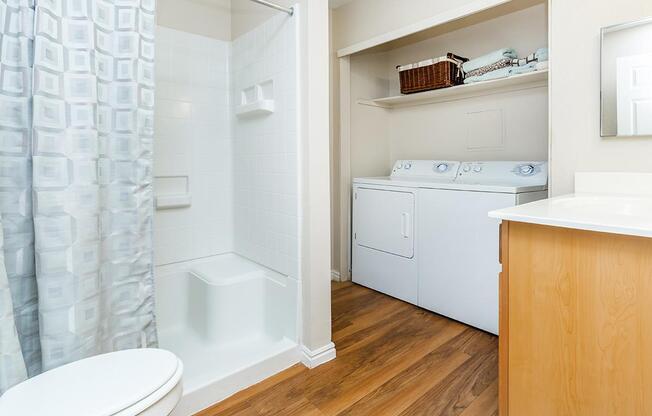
[{"x": 575, "y": 322}]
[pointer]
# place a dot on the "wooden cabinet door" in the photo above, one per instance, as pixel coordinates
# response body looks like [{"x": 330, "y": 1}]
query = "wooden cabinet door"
[
  {"x": 580, "y": 323},
  {"x": 503, "y": 322}
]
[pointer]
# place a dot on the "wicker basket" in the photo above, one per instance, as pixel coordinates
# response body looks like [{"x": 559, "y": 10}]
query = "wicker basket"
[{"x": 432, "y": 74}]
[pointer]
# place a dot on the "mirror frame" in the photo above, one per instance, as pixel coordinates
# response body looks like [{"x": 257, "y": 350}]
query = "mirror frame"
[{"x": 603, "y": 32}]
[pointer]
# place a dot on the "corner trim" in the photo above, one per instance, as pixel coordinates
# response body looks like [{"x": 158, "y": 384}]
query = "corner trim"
[
  {"x": 315, "y": 358},
  {"x": 335, "y": 276}
]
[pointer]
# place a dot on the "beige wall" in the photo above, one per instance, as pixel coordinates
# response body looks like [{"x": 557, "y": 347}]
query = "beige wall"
[
  {"x": 379, "y": 136},
  {"x": 220, "y": 19},
  {"x": 364, "y": 19},
  {"x": 246, "y": 15},
  {"x": 210, "y": 18},
  {"x": 439, "y": 131},
  {"x": 352, "y": 23},
  {"x": 334, "y": 148},
  {"x": 576, "y": 144}
]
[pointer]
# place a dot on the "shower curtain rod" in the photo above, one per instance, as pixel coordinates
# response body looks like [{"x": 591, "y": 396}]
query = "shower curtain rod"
[{"x": 287, "y": 10}]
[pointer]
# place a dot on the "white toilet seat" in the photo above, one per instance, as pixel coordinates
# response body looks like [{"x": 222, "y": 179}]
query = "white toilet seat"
[
  {"x": 161, "y": 402},
  {"x": 124, "y": 383}
]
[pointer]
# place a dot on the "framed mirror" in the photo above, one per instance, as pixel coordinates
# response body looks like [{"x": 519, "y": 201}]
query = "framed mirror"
[{"x": 626, "y": 79}]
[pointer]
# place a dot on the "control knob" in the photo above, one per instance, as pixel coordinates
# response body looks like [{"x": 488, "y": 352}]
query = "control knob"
[
  {"x": 442, "y": 167},
  {"x": 526, "y": 169}
]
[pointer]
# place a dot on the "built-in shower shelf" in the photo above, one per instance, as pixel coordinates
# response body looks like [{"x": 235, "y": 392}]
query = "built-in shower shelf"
[
  {"x": 256, "y": 100},
  {"x": 173, "y": 201},
  {"x": 256, "y": 108}
]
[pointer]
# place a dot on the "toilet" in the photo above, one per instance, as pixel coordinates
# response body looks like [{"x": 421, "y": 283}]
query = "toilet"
[{"x": 144, "y": 382}]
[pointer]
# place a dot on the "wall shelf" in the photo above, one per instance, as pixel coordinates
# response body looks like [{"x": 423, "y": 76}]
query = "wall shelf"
[
  {"x": 257, "y": 108},
  {"x": 256, "y": 100},
  {"x": 530, "y": 80}
]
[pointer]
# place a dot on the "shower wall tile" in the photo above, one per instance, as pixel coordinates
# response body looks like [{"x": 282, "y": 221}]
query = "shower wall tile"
[
  {"x": 265, "y": 148},
  {"x": 193, "y": 140}
]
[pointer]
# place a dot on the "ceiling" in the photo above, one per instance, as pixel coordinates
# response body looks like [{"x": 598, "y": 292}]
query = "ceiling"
[{"x": 333, "y": 4}]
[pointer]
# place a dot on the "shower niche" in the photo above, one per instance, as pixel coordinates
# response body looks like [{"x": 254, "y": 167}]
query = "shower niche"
[{"x": 256, "y": 100}]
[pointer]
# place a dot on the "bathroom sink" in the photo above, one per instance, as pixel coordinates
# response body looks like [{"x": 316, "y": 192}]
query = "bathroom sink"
[
  {"x": 619, "y": 214},
  {"x": 608, "y": 206}
]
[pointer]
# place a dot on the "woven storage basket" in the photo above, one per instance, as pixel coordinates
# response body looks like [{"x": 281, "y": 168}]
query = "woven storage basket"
[{"x": 432, "y": 74}]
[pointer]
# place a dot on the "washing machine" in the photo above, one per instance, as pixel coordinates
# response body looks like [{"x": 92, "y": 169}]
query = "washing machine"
[
  {"x": 385, "y": 224},
  {"x": 458, "y": 247},
  {"x": 423, "y": 234}
]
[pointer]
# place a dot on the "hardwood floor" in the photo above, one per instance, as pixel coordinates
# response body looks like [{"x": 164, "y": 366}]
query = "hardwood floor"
[{"x": 392, "y": 359}]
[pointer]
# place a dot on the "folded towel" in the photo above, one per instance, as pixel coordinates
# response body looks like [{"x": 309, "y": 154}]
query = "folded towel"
[
  {"x": 541, "y": 54},
  {"x": 496, "y": 65},
  {"x": 532, "y": 66},
  {"x": 502, "y": 73},
  {"x": 542, "y": 66},
  {"x": 499, "y": 73},
  {"x": 489, "y": 59}
]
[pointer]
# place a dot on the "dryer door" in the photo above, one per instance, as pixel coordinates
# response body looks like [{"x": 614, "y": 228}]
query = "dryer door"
[{"x": 384, "y": 220}]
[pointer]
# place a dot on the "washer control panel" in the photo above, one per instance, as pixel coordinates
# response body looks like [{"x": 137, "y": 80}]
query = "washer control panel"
[
  {"x": 426, "y": 168},
  {"x": 517, "y": 173}
]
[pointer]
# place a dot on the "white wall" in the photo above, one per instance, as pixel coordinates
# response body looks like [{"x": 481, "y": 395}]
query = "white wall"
[
  {"x": 210, "y": 18},
  {"x": 266, "y": 148},
  {"x": 314, "y": 181},
  {"x": 192, "y": 142},
  {"x": 313, "y": 152},
  {"x": 576, "y": 144}
]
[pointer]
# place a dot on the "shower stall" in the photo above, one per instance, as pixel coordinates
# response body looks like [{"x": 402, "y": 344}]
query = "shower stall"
[{"x": 227, "y": 195}]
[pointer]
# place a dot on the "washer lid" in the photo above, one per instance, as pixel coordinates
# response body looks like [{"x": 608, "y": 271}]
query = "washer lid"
[{"x": 99, "y": 386}]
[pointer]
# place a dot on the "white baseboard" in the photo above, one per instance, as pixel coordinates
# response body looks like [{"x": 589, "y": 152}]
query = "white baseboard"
[
  {"x": 315, "y": 358},
  {"x": 335, "y": 276}
]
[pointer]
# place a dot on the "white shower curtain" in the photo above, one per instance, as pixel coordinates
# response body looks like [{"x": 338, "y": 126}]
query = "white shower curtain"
[{"x": 76, "y": 131}]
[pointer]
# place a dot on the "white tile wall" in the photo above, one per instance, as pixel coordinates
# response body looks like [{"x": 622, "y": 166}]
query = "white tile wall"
[
  {"x": 193, "y": 139},
  {"x": 265, "y": 148},
  {"x": 242, "y": 171}
]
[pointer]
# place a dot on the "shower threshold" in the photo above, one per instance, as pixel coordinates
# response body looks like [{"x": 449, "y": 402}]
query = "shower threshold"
[{"x": 213, "y": 373}]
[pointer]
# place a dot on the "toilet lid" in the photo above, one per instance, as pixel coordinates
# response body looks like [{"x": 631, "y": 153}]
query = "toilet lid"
[{"x": 99, "y": 386}]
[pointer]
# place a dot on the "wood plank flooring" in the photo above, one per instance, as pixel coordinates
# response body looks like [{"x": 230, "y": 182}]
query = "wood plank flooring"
[{"x": 392, "y": 359}]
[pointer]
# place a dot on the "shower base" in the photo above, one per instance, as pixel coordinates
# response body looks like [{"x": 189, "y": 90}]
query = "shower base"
[
  {"x": 213, "y": 373},
  {"x": 232, "y": 323}
]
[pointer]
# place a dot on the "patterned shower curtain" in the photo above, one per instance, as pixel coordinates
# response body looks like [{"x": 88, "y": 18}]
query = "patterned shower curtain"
[{"x": 76, "y": 132}]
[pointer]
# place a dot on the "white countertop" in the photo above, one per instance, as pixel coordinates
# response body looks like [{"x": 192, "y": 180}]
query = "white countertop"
[{"x": 618, "y": 214}]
